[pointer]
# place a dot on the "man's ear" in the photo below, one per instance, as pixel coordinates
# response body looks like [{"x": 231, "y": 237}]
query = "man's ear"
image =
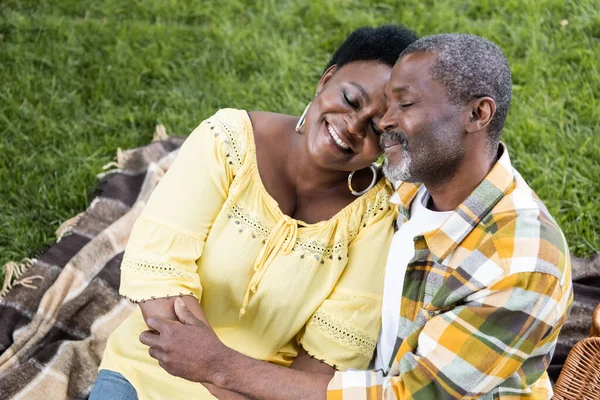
[
  {"x": 481, "y": 112},
  {"x": 326, "y": 77}
]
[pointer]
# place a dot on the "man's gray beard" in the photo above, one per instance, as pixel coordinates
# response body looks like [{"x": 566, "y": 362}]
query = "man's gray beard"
[{"x": 396, "y": 173}]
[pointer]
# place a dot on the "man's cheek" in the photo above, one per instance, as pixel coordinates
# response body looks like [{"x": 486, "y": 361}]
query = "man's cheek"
[{"x": 410, "y": 124}]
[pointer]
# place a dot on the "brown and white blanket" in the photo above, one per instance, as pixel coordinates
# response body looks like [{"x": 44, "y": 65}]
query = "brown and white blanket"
[{"x": 55, "y": 321}]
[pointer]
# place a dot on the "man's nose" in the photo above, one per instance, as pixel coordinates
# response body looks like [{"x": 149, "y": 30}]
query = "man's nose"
[{"x": 387, "y": 122}]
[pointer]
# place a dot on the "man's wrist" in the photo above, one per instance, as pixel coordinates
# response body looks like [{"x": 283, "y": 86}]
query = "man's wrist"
[{"x": 225, "y": 370}]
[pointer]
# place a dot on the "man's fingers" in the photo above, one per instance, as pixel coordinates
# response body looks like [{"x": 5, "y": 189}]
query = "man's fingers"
[
  {"x": 156, "y": 323},
  {"x": 150, "y": 338},
  {"x": 184, "y": 315},
  {"x": 156, "y": 354}
]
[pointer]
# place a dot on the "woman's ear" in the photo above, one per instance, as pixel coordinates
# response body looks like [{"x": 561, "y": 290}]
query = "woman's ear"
[
  {"x": 326, "y": 77},
  {"x": 481, "y": 112}
]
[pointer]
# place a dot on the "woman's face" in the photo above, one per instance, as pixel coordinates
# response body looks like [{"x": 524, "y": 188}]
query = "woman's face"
[{"x": 341, "y": 123}]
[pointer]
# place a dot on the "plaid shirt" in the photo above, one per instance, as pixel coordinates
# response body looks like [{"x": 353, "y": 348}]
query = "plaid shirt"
[{"x": 483, "y": 302}]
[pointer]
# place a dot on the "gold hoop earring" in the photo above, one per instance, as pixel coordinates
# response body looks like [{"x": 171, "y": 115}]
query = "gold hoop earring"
[
  {"x": 373, "y": 182},
  {"x": 302, "y": 119}
]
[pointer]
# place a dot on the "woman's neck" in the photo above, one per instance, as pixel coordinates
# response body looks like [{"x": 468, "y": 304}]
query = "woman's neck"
[{"x": 301, "y": 171}]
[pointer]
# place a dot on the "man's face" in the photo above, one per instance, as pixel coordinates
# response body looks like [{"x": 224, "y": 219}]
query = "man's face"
[{"x": 423, "y": 133}]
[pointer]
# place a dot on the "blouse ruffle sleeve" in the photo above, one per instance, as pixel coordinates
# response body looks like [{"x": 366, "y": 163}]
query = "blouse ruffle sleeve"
[
  {"x": 344, "y": 330},
  {"x": 168, "y": 238}
]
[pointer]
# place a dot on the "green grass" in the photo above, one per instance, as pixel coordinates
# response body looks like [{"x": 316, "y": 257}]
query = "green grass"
[{"x": 80, "y": 78}]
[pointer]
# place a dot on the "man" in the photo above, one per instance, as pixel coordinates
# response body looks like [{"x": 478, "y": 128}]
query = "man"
[{"x": 478, "y": 278}]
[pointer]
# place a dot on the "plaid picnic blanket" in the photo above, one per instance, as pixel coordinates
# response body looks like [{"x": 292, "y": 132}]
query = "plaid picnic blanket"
[{"x": 55, "y": 321}]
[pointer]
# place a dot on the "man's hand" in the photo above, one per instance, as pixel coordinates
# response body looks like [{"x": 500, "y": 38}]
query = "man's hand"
[{"x": 188, "y": 348}]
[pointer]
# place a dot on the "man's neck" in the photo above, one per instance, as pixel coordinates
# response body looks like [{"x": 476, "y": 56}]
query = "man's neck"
[{"x": 448, "y": 194}]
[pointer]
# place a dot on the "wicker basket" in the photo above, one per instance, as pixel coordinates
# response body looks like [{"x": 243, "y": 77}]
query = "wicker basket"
[{"x": 580, "y": 377}]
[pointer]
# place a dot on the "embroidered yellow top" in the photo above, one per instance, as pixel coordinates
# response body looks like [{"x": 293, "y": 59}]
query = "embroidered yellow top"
[{"x": 267, "y": 283}]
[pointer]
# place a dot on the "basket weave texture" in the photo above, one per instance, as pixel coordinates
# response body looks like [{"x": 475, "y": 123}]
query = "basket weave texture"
[{"x": 580, "y": 377}]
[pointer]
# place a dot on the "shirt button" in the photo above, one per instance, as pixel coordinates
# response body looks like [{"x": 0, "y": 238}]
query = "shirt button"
[{"x": 253, "y": 288}]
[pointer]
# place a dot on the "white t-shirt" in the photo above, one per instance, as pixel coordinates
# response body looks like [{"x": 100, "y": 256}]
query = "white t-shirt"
[{"x": 402, "y": 250}]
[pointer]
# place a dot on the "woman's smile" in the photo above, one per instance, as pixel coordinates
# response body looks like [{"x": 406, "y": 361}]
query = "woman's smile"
[
  {"x": 341, "y": 130},
  {"x": 338, "y": 139}
]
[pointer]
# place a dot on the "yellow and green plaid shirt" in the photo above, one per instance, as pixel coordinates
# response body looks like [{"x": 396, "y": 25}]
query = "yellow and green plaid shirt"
[{"x": 484, "y": 299}]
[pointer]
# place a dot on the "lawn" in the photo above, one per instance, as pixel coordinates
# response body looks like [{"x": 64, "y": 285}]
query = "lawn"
[{"x": 80, "y": 78}]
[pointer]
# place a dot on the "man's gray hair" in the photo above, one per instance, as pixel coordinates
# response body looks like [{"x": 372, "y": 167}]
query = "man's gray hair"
[{"x": 470, "y": 67}]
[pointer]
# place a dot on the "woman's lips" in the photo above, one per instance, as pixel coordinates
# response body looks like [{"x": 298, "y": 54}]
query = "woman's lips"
[{"x": 339, "y": 141}]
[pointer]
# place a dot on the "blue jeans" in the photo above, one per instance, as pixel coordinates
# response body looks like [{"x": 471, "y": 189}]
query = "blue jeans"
[{"x": 111, "y": 385}]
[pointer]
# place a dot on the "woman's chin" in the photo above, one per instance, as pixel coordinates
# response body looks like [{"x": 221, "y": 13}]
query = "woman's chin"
[{"x": 330, "y": 155}]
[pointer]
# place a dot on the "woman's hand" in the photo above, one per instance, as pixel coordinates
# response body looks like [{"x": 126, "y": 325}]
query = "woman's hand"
[{"x": 165, "y": 308}]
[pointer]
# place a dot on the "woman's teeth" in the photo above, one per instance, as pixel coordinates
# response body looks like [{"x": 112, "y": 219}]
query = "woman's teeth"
[{"x": 337, "y": 139}]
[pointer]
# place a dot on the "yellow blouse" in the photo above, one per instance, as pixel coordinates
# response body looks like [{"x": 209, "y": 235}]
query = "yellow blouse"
[{"x": 268, "y": 283}]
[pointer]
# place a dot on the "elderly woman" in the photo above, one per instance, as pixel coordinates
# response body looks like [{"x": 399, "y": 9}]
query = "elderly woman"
[{"x": 273, "y": 228}]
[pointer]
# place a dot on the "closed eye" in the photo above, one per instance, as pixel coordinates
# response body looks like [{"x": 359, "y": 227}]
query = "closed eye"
[
  {"x": 375, "y": 130},
  {"x": 350, "y": 102},
  {"x": 406, "y": 105}
]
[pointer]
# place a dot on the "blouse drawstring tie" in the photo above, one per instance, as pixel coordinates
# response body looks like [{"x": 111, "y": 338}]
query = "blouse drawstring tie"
[{"x": 283, "y": 236}]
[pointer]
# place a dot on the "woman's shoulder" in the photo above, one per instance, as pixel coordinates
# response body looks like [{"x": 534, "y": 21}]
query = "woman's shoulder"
[
  {"x": 376, "y": 200},
  {"x": 371, "y": 208},
  {"x": 230, "y": 130},
  {"x": 234, "y": 119},
  {"x": 258, "y": 116},
  {"x": 251, "y": 124},
  {"x": 265, "y": 123}
]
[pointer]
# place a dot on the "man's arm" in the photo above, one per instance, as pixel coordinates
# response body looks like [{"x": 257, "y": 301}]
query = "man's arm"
[
  {"x": 473, "y": 348},
  {"x": 468, "y": 351},
  {"x": 495, "y": 322},
  {"x": 191, "y": 350},
  {"x": 261, "y": 380},
  {"x": 164, "y": 308}
]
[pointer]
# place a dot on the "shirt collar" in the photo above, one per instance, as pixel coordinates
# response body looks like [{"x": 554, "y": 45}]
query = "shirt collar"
[{"x": 469, "y": 213}]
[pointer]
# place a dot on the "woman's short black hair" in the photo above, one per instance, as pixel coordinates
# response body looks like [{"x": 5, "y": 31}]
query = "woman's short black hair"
[{"x": 384, "y": 43}]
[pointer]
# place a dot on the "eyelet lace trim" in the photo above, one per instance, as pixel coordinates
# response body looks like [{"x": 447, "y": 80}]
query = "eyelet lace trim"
[
  {"x": 154, "y": 268},
  {"x": 349, "y": 337},
  {"x": 334, "y": 366},
  {"x": 247, "y": 221},
  {"x": 319, "y": 249},
  {"x": 231, "y": 139},
  {"x": 380, "y": 204},
  {"x": 143, "y": 300},
  {"x": 258, "y": 230}
]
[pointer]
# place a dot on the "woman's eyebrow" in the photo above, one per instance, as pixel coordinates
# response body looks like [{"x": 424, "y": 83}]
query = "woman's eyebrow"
[{"x": 362, "y": 91}]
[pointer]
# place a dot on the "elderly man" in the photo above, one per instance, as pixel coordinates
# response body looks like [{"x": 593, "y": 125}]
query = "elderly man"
[{"x": 477, "y": 283}]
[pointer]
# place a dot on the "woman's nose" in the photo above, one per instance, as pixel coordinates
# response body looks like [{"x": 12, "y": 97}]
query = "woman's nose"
[{"x": 356, "y": 126}]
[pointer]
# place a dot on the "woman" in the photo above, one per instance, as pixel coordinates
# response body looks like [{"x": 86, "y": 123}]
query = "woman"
[{"x": 272, "y": 227}]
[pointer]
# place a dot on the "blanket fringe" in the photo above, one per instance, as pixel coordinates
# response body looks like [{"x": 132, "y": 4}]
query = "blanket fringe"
[
  {"x": 13, "y": 271},
  {"x": 160, "y": 133},
  {"x": 123, "y": 156},
  {"x": 67, "y": 227},
  {"x": 113, "y": 166}
]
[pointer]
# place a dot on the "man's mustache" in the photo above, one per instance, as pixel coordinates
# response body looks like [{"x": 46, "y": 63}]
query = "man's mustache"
[{"x": 393, "y": 136}]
